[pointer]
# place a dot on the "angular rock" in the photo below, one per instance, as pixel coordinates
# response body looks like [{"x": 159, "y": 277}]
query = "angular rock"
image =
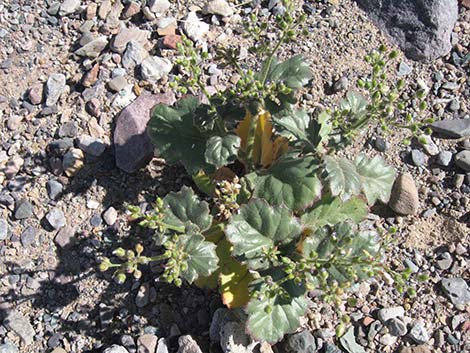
[
  {"x": 154, "y": 68},
  {"x": 36, "y": 93},
  {"x": 94, "y": 48},
  {"x": 3, "y": 229},
  {"x": 159, "y": 6},
  {"x": 134, "y": 55},
  {"x": 386, "y": 314},
  {"x": 133, "y": 148},
  {"x": 418, "y": 333},
  {"x": 147, "y": 343},
  {"x": 54, "y": 87},
  {"x": 65, "y": 237},
  {"x": 429, "y": 146},
  {"x": 219, "y": 319},
  {"x": 28, "y": 237},
  {"x": 104, "y": 9},
  {"x": 116, "y": 349},
  {"x": 56, "y": 218},
  {"x": 218, "y": 7},
  {"x": 187, "y": 344},
  {"x": 23, "y": 209},
  {"x": 348, "y": 342},
  {"x": 444, "y": 158},
  {"x": 110, "y": 216},
  {"x": 396, "y": 327},
  {"x": 422, "y": 29},
  {"x": 170, "y": 41},
  {"x": 20, "y": 325},
  {"x": 162, "y": 346},
  {"x": 301, "y": 342},
  {"x": 233, "y": 338},
  {"x": 456, "y": 128},
  {"x": 404, "y": 198},
  {"x": 456, "y": 290},
  {"x": 73, "y": 162},
  {"x": 121, "y": 40},
  {"x": 117, "y": 83},
  {"x": 68, "y": 7},
  {"x": 125, "y": 97},
  {"x": 8, "y": 348},
  {"x": 132, "y": 9},
  {"x": 194, "y": 28},
  {"x": 462, "y": 159},
  {"x": 91, "y": 145}
]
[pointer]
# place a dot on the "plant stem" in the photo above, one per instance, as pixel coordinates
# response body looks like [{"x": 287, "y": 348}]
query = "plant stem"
[{"x": 178, "y": 229}]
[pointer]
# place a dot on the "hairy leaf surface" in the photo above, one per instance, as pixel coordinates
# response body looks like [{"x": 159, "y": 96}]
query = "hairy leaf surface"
[
  {"x": 294, "y": 72},
  {"x": 222, "y": 150}
]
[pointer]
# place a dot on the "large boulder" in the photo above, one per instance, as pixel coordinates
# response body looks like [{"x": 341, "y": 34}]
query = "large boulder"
[
  {"x": 422, "y": 28},
  {"x": 133, "y": 148}
]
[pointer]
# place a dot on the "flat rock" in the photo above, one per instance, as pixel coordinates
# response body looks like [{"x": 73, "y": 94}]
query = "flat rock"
[
  {"x": 348, "y": 342},
  {"x": 8, "y": 348},
  {"x": 23, "y": 209},
  {"x": 187, "y": 344},
  {"x": 94, "y": 48},
  {"x": 54, "y": 87},
  {"x": 133, "y": 148},
  {"x": 147, "y": 343},
  {"x": 20, "y": 325},
  {"x": 115, "y": 348},
  {"x": 134, "y": 55},
  {"x": 194, "y": 27},
  {"x": 456, "y": 290},
  {"x": 404, "y": 198},
  {"x": 154, "y": 68},
  {"x": 91, "y": 145},
  {"x": 110, "y": 216},
  {"x": 234, "y": 339},
  {"x": 159, "y": 6},
  {"x": 218, "y": 7},
  {"x": 56, "y": 218},
  {"x": 36, "y": 93},
  {"x": 68, "y": 7},
  {"x": 462, "y": 159},
  {"x": 300, "y": 342},
  {"x": 418, "y": 333},
  {"x": 28, "y": 236},
  {"x": 65, "y": 237},
  {"x": 456, "y": 128},
  {"x": 422, "y": 29},
  {"x": 119, "y": 43},
  {"x": 386, "y": 314}
]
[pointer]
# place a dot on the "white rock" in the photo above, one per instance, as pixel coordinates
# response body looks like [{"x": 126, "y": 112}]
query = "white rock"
[
  {"x": 94, "y": 48},
  {"x": 69, "y": 7},
  {"x": 110, "y": 216},
  {"x": 154, "y": 68},
  {"x": 125, "y": 97},
  {"x": 194, "y": 27},
  {"x": 218, "y": 7},
  {"x": 159, "y": 7}
]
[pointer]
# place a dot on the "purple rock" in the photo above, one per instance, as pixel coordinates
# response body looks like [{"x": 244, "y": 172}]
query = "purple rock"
[{"x": 133, "y": 148}]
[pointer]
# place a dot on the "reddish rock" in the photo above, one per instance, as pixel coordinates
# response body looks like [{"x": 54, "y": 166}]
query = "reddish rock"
[
  {"x": 133, "y": 8},
  {"x": 133, "y": 148},
  {"x": 171, "y": 40},
  {"x": 93, "y": 107},
  {"x": 466, "y": 3},
  {"x": 90, "y": 78},
  {"x": 36, "y": 93}
]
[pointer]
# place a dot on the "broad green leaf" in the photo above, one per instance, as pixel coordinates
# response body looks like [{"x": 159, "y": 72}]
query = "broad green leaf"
[
  {"x": 184, "y": 208},
  {"x": 355, "y": 103},
  {"x": 343, "y": 245},
  {"x": 376, "y": 178},
  {"x": 221, "y": 151},
  {"x": 294, "y": 72},
  {"x": 204, "y": 183},
  {"x": 259, "y": 227},
  {"x": 270, "y": 319},
  {"x": 201, "y": 256},
  {"x": 342, "y": 177},
  {"x": 332, "y": 210},
  {"x": 177, "y": 138},
  {"x": 292, "y": 182}
]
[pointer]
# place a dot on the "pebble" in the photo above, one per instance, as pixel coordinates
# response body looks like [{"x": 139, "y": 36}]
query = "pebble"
[
  {"x": 404, "y": 198},
  {"x": 3, "y": 229},
  {"x": 170, "y": 41},
  {"x": 396, "y": 327},
  {"x": 159, "y": 7},
  {"x": 187, "y": 344},
  {"x": 444, "y": 158},
  {"x": 20, "y": 325},
  {"x": 418, "y": 333},
  {"x": 388, "y": 340},
  {"x": 300, "y": 342},
  {"x": 110, "y": 216},
  {"x": 429, "y": 146},
  {"x": 65, "y": 237},
  {"x": 8, "y": 348},
  {"x": 134, "y": 55},
  {"x": 233, "y": 338},
  {"x": 36, "y": 93},
  {"x": 104, "y": 9},
  {"x": 132, "y": 9},
  {"x": 69, "y": 7},
  {"x": 119, "y": 43},
  {"x": 94, "y": 48},
  {"x": 118, "y": 83},
  {"x": 154, "y": 68},
  {"x": 462, "y": 159},
  {"x": 456, "y": 128},
  {"x": 380, "y": 144},
  {"x": 96, "y": 220},
  {"x": 73, "y": 162},
  {"x": 162, "y": 346},
  {"x": 54, "y": 87},
  {"x": 386, "y": 314},
  {"x": 116, "y": 349},
  {"x": 54, "y": 189},
  {"x": 194, "y": 28},
  {"x": 91, "y": 145},
  {"x": 28, "y": 236},
  {"x": 147, "y": 343},
  {"x": 418, "y": 158},
  {"x": 331, "y": 348},
  {"x": 404, "y": 69},
  {"x": 444, "y": 261},
  {"x": 143, "y": 296},
  {"x": 218, "y": 7},
  {"x": 68, "y": 129},
  {"x": 456, "y": 290},
  {"x": 56, "y": 218},
  {"x": 24, "y": 209}
]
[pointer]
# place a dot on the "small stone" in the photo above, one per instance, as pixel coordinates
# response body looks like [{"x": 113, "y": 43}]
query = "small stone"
[
  {"x": 23, "y": 210},
  {"x": 68, "y": 129},
  {"x": 348, "y": 342},
  {"x": 194, "y": 28},
  {"x": 462, "y": 159},
  {"x": 386, "y": 314},
  {"x": 3, "y": 229},
  {"x": 404, "y": 198},
  {"x": 104, "y": 9},
  {"x": 36, "y": 93},
  {"x": 404, "y": 69},
  {"x": 219, "y": 319},
  {"x": 117, "y": 83},
  {"x": 301, "y": 342},
  {"x": 54, "y": 87},
  {"x": 454, "y": 105},
  {"x": 341, "y": 84},
  {"x": 94, "y": 48},
  {"x": 110, "y": 216},
  {"x": 456, "y": 128},
  {"x": 170, "y": 41},
  {"x": 73, "y": 162},
  {"x": 162, "y": 346},
  {"x": 91, "y": 11},
  {"x": 456, "y": 290},
  {"x": 116, "y": 349},
  {"x": 331, "y": 348},
  {"x": 429, "y": 146},
  {"x": 132, "y": 9},
  {"x": 418, "y": 158},
  {"x": 65, "y": 237},
  {"x": 125, "y": 97},
  {"x": 13, "y": 167},
  {"x": 56, "y": 218},
  {"x": 93, "y": 107},
  {"x": 396, "y": 327},
  {"x": 121, "y": 40},
  {"x": 134, "y": 55},
  {"x": 444, "y": 158},
  {"x": 380, "y": 144},
  {"x": 154, "y": 68},
  {"x": 218, "y": 7},
  {"x": 20, "y": 325},
  {"x": 159, "y": 7},
  {"x": 54, "y": 189},
  {"x": 444, "y": 261},
  {"x": 147, "y": 344},
  {"x": 233, "y": 337},
  {"x": 143, "y": 295},
  {"x": 69, "y": 7},
  {"x": 90, "y": 78},
  {"x": 28, "y": 237},
  {"x": 388, "y": 340},
  {"x": 187, "y": 344},
  {"x": 8, "y": 348},
  {"x": 418, "y": 333},
  {"x": 96, "y": 220}
]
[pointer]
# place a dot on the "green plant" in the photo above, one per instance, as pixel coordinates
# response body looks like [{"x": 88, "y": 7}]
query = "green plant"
[{"x": 283, "y": 206}]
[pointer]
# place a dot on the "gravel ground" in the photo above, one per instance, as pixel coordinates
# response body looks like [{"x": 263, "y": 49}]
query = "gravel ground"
[{"x": 63, "y": 198}]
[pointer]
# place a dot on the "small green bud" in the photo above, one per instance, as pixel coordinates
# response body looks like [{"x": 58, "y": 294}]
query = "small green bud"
[
  {"x": 360, "y": 83},
  {"x": 178, "y": 282},
  {"x": 119, "y": 252},
  {"x": 393, "y": 54},
  {"x": 120, "y": 278},
  {"x": 104, "y": 266},
  {"x": 268, "y": 309},
  {"x": 400, "y": 84},
  {"x": 422, "y": 106},
  {"x": 382, "y": 48},
  {"x": 139, "y": 248}
]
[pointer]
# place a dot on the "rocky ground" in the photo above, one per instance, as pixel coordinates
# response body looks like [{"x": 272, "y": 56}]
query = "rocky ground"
[{"x": 68, "y": 68}]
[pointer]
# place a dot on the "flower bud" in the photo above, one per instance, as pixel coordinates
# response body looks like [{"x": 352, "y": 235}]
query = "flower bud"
[
  {"x": 120, "y": 278},
  {"x": 119, "y": 252}
]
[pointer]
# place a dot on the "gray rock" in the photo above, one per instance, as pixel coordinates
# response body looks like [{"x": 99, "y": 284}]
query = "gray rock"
[
  {"x": 331, "y": 348},
  {"x": 234, "y": 339},
  {"x": 218, "y": 7},
  {"x": 348, "y": 342},
  {"x": 457, "y": 128},
  {"x": 404, "y": 198},
  {"x": 429, "y": 146},
  {"x": 3, "y": 229},
  {"x": 388, "y": 340},
  {"x": 121, "y": 40},
  {"x": 386, "y": 314},
  {"x": 431, "y": 23},
  {"x": 54, "y": 189},
  {"x": 396, "y": 327},
  {"x": 116, "y": 349},
  {"x": 54, "y": 87},
  {"x": 219, "y": 319},
  {"x": 20, "y": 325},
  {"x": 110, "y": 216},
  {"x": 154, "y": 68},
  {"x": 374, "y": 329},
  {"x": 147, "y": 343},
  {"x": 456, "y": 290},
  {"x": 68, "y": 7},
  {"x": 93, "y": 48},
  {"x": 91, "y": 145},
  {"x": 133, "y": 148},
  {"x": 128, "y": 342},
  {"x": 188, "y": 345},
  {"x": 65, "y": 237},
  {"x": 462, "y": 159},
  {"x": 36, "y": 93},
  {"x": 194, "y": 27},
  {"x": 301, "y": 342},
  {"x": 444, "y": 158},
  {"x": 56, "y": 218},
  {"x": 418, "y": 158},
  {"x": 134, "y": 55},
  {"x": 125, "y": 97},
  {"x": 418, "y": 333},
  {"x": 444, "y": 261},
  {"x": 24, "y": 209},
  {"x": 159, "y": 6},
  {"x": 143, "y": 296},
  {"x": 118, "y": 83},
  {"x": 28, "y": 236},
  {"x": 8, "y": 348},
  {"x": 404, "y": 69},
  {"x": 162, "y": 346},
  {"x": 380, "y": 144}
]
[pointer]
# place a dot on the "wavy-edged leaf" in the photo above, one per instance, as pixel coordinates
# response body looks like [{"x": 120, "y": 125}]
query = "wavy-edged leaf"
[
  {"x": 332, "y": 210},
  {"x": 354, "y": 103},
  {"x": 342, "y": 177},
  {"x": 271, "y": 318},
  {"x": 222, "y": 150},
  {"x": 259, "y": 227},
  {"x": 177, "y": 138},
  {"x": 294, "y": 72},
  {"x": 204, "y": 182},
  {"x": 201, "y": 256},
  {"x": 184, "y": 208},
  {"x": 292, "y": 182},
  {"x": 376, "y": 178}
]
